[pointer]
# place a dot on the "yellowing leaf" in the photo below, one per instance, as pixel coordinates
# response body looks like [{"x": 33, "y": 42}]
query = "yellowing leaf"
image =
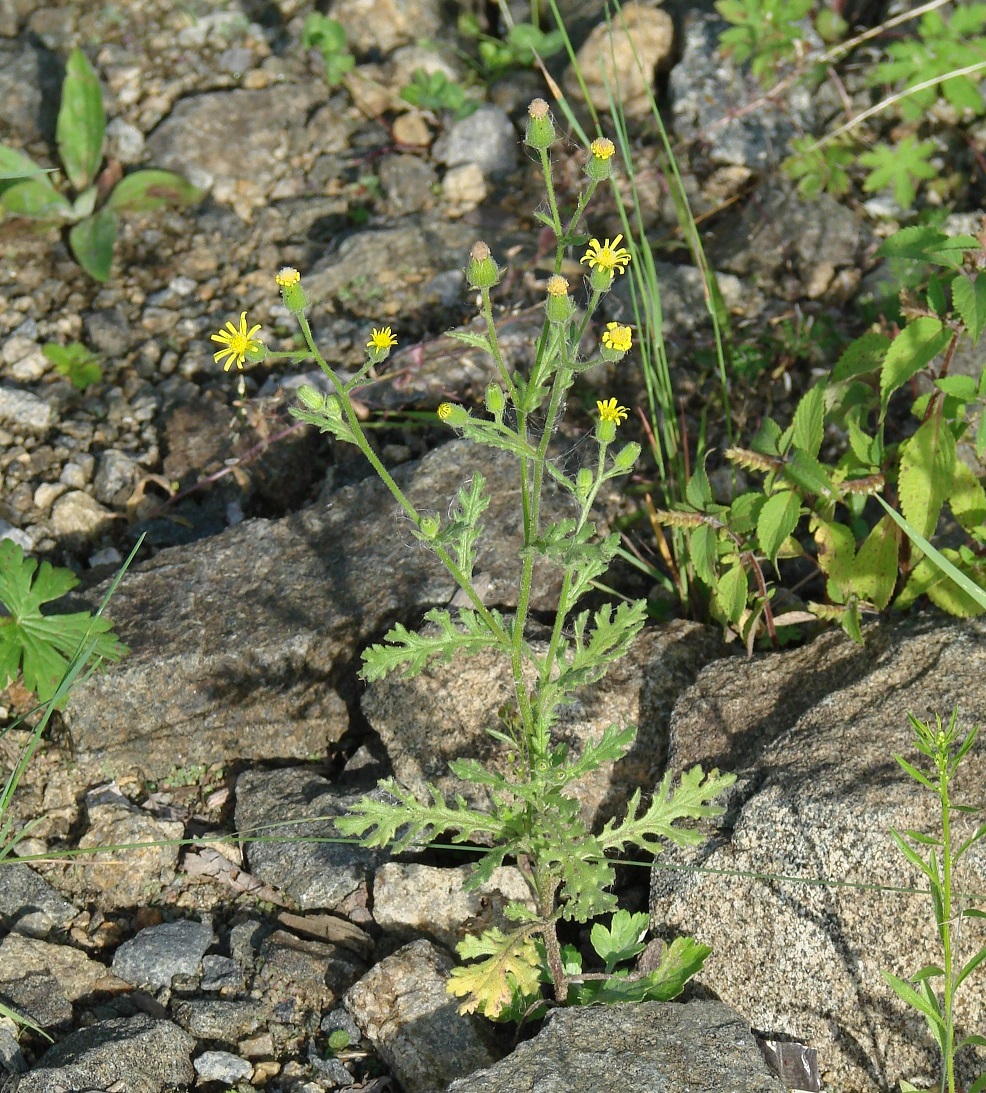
[
  {"x": 875, "y": 570},
  {"x": 488, "y": 985},
  {"x": 927, "y": 467}
]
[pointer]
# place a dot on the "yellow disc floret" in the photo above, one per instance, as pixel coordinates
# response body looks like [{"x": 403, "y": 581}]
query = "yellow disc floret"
[
  {"x": 618, "y": 337},
  {"x": 383, "y": 338}
]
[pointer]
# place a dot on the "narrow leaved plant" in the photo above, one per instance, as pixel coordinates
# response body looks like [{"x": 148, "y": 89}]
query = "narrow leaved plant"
[
  {"x": 932, "y": 989},
  {"x": 533, "y": 817}
]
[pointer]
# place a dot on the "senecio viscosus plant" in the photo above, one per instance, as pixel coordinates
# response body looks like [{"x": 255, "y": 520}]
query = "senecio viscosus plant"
[{"x": 533, "y": 817}]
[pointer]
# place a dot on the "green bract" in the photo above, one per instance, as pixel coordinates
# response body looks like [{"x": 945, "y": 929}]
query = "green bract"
[{"x": 92, "y": 217}]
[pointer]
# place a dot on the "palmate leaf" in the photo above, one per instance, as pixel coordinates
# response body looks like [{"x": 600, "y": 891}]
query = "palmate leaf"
[
  {"x": 40, "y": 645},
  {"x": 488, "y": 986},
  {"x": 681, "y": 960},
  {"x": 622, "y": 940}
]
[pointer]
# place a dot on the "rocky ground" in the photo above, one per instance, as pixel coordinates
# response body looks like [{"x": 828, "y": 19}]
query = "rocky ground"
[{"x": 270, "y": 561}]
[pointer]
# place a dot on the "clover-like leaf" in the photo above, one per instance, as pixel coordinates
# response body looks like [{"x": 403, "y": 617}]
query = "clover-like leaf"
[{"x": 40, "y": 645}]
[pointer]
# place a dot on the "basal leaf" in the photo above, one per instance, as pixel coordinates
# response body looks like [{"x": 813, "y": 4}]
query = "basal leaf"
[
  {"x": 969, "y": 300},
  {"x": 81, "y": 123},
  {"x": 927, "y": 466},
  {"x": 145, "y": 190},
  {"x": 15, "y": 166},
  {"x": 92, "y": 241},
  {"x": 778, "y": 518},
  {"x": 915, "y": 346},
  {"x": 40, "y": 645},
  {"x": 488, "y": 986},
  {"x": 35, "y": 199},
  {"x": 622, "y": 940}
]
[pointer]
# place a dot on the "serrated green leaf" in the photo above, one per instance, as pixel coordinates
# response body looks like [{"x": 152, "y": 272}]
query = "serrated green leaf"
[
  {"x": 92, "y": 241},
  {"x": 967, "y": 498},
  {"x": 778, "y": 519},
  {"x": 875, "y": 571},
  {"x": 924, "y": 243},
  {"x": 863, "y": 355},
  {"x": 467, "y": 337},
  {"x": 702, "y": 550},
  {"x": 915, "y": 346},
  {"x": 899, "y": 166},
  {"x": 927, "y": 466},
  {"x": 38, "y": 645},
  {"x": 81, "y": 123},
  {"x": 808, "y": 474},
  {"x": 412, "y": 652},
  {"x": 152, "y": 189},
  {"x": 732, "y": 591},
  {"x": 809, "y": 420},
  {"x": 836, "y": 552},
  {"x": 744, "y": 511},
  {"x": 969, "y": 300},
  {"x": 622, "y": 940},
  {"x": 698, "y": 492}
]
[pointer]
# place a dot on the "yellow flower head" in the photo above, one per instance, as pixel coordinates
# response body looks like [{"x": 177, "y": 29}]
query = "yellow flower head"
[
  {"x": 287, "y": 277},
  {"x": 610, "y": 256},
  {"x": 618, "y": 337},
  {"x": 445, "y": 411},
  {"x": 238, "y": 341},
  {"x": 610, "y": 411},
  {"x": 381, "y": 339},
  {"x": 602, "y": 148},
  {"x": 556, "y": 285}
]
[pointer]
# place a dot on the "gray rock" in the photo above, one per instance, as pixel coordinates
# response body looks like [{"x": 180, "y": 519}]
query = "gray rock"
[
  {"x": 29, "y": 904},
  {"x": 26, "y": 76},
  {"x": 817, "y": 799},
  {"x": 706, "y": 90},
  {"x": 108, "y": 331},
  {"x": 77, "y": 974},
  {"x": 125, "y": 142},
  {"x": 818, "y": 240},
  {"x": 403, "y": 1008},
  {"x": 486, "y": 138},
  {"x": 139, "y": 1053},
  {"x": 116, "y": 475},
  {"x": 413, "y": 900},
  {"x": 24, "y": 411},
  {"x": 240, "y": 663},
  {"x": 698, "y": 1047},
  {"x": 304, "y": 976},
  {"x": 227, "y": 1022},
  {"x": 39, "y": 997},
  {"x": 315, "y": 874},
  {"x": 383, "y": 25},
  {"x": 408, "y": 183},
  {"x": 221, "y": 1066},
  {"x": 220, "y": 973},
  {"x": 76, "y": 518},
  {"x": 463, "y": 697},
  {"x": 159, "y": 953}
]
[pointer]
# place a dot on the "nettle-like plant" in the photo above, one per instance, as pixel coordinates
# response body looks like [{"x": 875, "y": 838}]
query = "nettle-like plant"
[
  {"x": 866, "y": 564},
  {"x": 100, "y": 196},
  {"x": 533, "y": 817}
]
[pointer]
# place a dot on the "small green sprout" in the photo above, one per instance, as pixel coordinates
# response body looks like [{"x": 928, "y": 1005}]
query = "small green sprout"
[
  {"x": 436, "y": 92},
  {"x": 79, "y": 365},
  {"x": 328, "y": 36}
]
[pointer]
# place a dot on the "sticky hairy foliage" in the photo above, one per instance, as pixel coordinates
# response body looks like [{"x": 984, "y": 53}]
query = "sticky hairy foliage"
[
  {"x": 40, "y": 645},
  {"x": 411, "y": 652},
  {"x": 489, "y": 985}
]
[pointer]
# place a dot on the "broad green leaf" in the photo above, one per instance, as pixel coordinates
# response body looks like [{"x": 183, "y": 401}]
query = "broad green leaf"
[
  {"x": 146, "y": 190},
  {"x": 969, "y": 300},
  {"x": 809, "y": 420},
  {"x": 702, "y": 550},
  {"x": 927, "y": 466},
  {"x": 924, "y": 243},
  {"x": 865, "y": 448},
  {"x": 35, "y": 199},
  {"x": 79, "y": 365},
  {"x": 875, "y": 571},
  {"x": 967, "y": 498},
  {"x": 732, "y": 591},
  {"x": 950, "y": 597},
  {"x": 15, "y": 166},
  {"x": 40, "y": 645},
  {"x": 744, "y": 510},
  {"x": 836, "y": 552},
  {"x": 962, "y": 388},
  {"x": 81, "y": 123},
  {"x": 778, "y": 518},
  {"x": 92, "y": 241},
  {"x": 808, "y": 474},
  {"x": 698, "y": 492},
  {"x": 915, "y": 346},
  {"x": 863, "y": 355},
  {"x": 622, "y": 940}
]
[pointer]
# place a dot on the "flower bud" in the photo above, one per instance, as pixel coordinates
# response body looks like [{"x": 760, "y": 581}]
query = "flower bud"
[
  {"x": 626, "y": 456},
  {"x": 430, "y": 526},
  {"x": 559, "y": 306},
  {"x": 583, "y": 482},
  {"x": 481, "y": 272},
  {"x": 540, "y": 127},
  {"x": 599, "y": 166},
  {"x": 289, "y": 281},
  {"x": 311, "y": 397},
  {"x": 453, "y": 415},
  {"x": 605, "y": 431},
  {"x": 494, "y": 399},
  {"x": 601, "y": 279}
]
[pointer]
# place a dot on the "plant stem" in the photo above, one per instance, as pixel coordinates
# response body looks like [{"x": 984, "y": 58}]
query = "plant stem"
[{"x": 945, "y": 926}]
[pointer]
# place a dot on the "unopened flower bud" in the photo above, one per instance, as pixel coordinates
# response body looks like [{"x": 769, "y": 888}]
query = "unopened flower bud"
[
  {"x": 627, "y": 456},
  {"x": 430, "y": 526},
  {"x": 311, "y": 397},
  {"x": 481, "y": 272},
  {"x": 289, "y": 281},
  {"x": 599, "y": 166},
  {"x": 559, "y": 306},
  {"x": 494, "y": 399},
  {"x": 583, "y": 482},
  {"x": 540, "y": 127},
  {"x": 453, "y": 415}
]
